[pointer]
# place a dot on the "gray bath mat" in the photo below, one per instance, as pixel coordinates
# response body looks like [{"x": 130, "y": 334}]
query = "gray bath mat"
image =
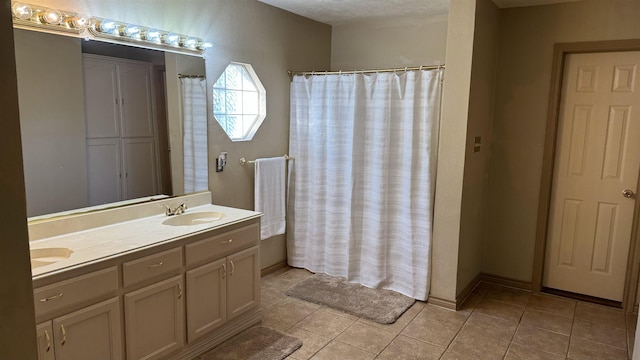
[
  {"x": 381, "y": 306},
  {"x": 256, "y": 343}
]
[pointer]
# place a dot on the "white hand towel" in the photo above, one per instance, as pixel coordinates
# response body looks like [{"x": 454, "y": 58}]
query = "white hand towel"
[{"x": 270, "y": 195}]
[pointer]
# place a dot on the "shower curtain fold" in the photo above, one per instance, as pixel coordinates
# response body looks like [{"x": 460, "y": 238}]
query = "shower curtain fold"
[
  {"x": 194, "y": 111},
  {"x": 361, "y": 189}
]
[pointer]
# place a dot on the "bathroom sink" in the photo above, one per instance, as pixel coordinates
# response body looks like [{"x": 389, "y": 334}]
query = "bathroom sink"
[
  {"x": 196, "y": 218},
  {"x": 46, "y": 256}
]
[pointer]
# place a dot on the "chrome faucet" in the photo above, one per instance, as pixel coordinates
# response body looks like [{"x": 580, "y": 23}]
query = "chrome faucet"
[{"x": 177, "y": 211}]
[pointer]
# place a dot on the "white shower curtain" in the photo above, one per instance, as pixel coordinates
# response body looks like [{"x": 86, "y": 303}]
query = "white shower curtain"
[
  {"x": 194, "y": 111},
  {"x": 362, "y": 184}
]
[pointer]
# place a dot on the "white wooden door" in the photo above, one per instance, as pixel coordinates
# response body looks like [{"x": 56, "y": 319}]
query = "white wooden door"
[
  {"x": 90, "y": 333},
  {"x": 243, "y": 282},
  {"x": 101, "y": 98},
  {"x": 136, "y": 100},
  {"x": 140, "y": 175},
  {"x": 154, "y": 320},
  {"x": 206, "y": 299},
  {"x": 104, "y": 170},
  {"x": 597, "y": 159}
]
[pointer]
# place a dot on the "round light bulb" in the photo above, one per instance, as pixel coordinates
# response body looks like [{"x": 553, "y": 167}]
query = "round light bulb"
[
  {"x": 152, "y": 35},
  {"x": 190, "y": 42},
  {"x": 107, "y": 26},
  {"x": 205, "y": 46},
  {"x": 78, "y": 22},
  {"x": 21, "y": 11},
  {"x": 172, "y": 39},
  {"x": 51, "y": 17},
  {"x": 131, "y": 31}
]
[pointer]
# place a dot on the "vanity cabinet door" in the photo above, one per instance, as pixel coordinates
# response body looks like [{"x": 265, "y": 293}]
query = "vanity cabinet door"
[
  {"x": 139, "y": 159},
  {"x": 154, "y": 320},
  {"x": 44, "y": 334},
  {"x": 206, "y": 298},
  {"x": 135, "y": 92},
  {"x": 93, "y": 333},
  {"x": 243, "y": 282},
  {"x": 104, "y": 171},
  {"x": 101, "y": 98}
]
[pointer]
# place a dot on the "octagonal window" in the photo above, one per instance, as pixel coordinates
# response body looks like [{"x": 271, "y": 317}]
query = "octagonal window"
[{"x": 239, "y": 103}]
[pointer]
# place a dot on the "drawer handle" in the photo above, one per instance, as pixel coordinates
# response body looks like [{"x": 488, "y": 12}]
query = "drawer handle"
[
  {"x": 64, "y": 335},
  {"x": 46, "y": 335},
  {"x": 233, "y": 267},
  {"x": 224, "y": 271},
  {"x": 52, "y": 297},
  {"x": 153, "y": 266},
  {"x": 179, "y": 290},
  {"x": 227, "y": 241}
]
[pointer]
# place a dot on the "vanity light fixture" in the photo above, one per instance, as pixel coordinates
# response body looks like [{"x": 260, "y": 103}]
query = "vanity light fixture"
[
  {"x": 119, "y": 32},
  {"x": 47, "y": 19}
]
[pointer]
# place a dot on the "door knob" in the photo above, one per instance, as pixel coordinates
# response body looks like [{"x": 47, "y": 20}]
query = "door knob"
[{"x": 627, "y": 193}]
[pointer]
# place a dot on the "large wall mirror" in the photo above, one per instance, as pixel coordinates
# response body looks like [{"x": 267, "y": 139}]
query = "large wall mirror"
[{"x": 100, "y": 122}]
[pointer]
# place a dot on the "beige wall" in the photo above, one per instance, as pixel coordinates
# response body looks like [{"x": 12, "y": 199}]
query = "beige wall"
[
  {"x": 52, "y": 121},
  {"x": 451, "y": 152},
  {"x": 17, "y": 327},
  {"x": 476, "y": 167},
  {"x": 389, "y": 43},
  {"x": 527, "y": 36}
]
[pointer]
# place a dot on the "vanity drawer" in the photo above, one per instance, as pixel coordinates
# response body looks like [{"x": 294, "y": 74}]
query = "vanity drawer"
[
  {"x": 220, "y": 245},
  {"x": 80, "y": 290},
  {"x": 148, "y": 267}
]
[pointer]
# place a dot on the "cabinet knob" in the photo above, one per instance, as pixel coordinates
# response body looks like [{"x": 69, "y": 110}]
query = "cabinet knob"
[
  {"x": 59, "y": 295},
  {"x": 48, "y": 337}
]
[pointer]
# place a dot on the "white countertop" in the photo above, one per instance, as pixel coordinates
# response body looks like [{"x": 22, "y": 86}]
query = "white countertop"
[{"x": 117, "y": 239}]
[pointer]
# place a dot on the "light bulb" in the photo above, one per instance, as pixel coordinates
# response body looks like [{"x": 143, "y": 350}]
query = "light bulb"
[
  {"x": 107, "y": 26},
  {"x": 51, "y": 17},
  {"x": 205, "y": 46},
  {"x": 21, "y": 11},
  {"x": 152, "y": 35},
  {"x": 131, "y": 31},
  {"x": 78, "y": 22},
  {"x": 190, "y": 42},
  {"x": 172, "y": 39}
]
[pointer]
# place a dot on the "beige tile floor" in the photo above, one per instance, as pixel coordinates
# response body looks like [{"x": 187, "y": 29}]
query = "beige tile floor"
[{"x": 495, "y": 323}]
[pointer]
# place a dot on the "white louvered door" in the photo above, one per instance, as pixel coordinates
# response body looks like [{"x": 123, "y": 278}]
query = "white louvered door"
[{"x": 597, "y": 159}]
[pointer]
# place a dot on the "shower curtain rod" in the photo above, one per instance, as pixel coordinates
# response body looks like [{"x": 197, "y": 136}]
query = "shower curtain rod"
[
  {"x": 370, "y": 71},
  {"x": 180, "y": 76}
]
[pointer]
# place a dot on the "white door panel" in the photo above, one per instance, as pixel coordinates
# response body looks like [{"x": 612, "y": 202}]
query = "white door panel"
[{"x": 597, "y": 157}]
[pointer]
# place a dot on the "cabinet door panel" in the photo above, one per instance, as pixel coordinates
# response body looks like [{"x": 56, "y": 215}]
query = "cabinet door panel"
[
  {"x": 90, "y": 333},
  {"x": 154, "y": 319},
  {"x": 100, "y": 97},
  {"x": 103, "y": 170},
  {"x": 44, "y": 334},
  {"x": 206, "y": 299},
  {"x": 139, "y": 168},
  {"x": 135, "y": 92},
  {"x": 243, "y": 282}
]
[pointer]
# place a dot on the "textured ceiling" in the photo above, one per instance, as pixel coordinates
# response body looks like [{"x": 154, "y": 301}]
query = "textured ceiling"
[{"x": 338, "y": 11}]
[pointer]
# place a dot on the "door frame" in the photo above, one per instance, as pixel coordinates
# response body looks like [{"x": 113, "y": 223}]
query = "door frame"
[{"x": 560, "y": 51}]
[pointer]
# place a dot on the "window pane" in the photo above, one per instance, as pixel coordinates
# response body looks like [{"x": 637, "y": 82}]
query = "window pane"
[
  {"x": 220, "y": 84},
  {"x": 247, "y": 82},
  {"x": 219, "y": 99},
  {"x": 234, "y": 77},
  {"x": 249, "y": 103},
  {"x": 234, "y": 102}
]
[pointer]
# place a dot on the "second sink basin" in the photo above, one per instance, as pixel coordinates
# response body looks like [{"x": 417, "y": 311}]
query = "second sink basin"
[
  {"x": 46, "y": 256},
  {"x": 196, "y": 218}
]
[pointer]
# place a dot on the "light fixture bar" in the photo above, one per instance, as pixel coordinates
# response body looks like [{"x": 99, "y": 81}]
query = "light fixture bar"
[{"x": 41, "y": 18}]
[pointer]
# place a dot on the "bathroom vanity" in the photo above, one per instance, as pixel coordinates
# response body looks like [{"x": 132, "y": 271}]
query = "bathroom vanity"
[{"x": 149, "y": 287}]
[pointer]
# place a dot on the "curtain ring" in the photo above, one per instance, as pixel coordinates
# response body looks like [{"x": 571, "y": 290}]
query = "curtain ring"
[
  {"x": 406, "y": 68},
  {"x": 421, "y": 67}
]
